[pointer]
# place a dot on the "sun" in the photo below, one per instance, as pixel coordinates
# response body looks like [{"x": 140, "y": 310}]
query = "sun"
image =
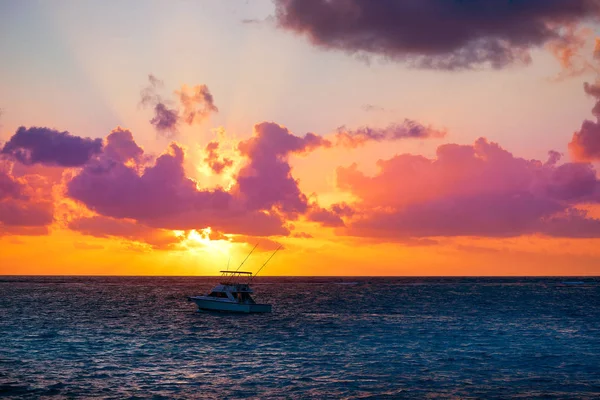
[{"x": 199, "y": 240}]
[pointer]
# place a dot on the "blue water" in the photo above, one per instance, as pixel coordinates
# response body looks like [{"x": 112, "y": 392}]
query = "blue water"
[{"x": 109, "y": 337}]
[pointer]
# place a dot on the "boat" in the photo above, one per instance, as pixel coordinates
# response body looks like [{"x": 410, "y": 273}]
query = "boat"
[{"x": 233, "y": 293}]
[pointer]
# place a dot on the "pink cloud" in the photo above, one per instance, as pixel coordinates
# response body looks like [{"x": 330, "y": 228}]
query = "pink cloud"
[
  {"x": 478, "y": 190},
  {"x": 25, "y": 204},
  {"x": 197, "y": 103},
  {"x": 104, "y": 227}
]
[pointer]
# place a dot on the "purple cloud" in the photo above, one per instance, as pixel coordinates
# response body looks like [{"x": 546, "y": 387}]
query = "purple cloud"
[
  {"x": 37, "y": 145},
  {"x": 266, "y": 180},
  {"x": 162, "y": 196}
]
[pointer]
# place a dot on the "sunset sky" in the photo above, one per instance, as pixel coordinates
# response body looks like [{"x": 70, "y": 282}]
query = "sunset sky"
[{"x": 366, "y": 137}]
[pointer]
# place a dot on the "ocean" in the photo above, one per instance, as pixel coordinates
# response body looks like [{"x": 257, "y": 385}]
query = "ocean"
[{"x": 338, "y": 338}]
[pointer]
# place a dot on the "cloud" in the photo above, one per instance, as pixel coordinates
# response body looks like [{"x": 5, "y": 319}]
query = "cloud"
[
  {"x": 194, "y": 105},
  {"x": 302, "y": 235},
  {"x": 12, "y": 230},
  {"x": 38, "y": 145},
  {"x": 408, "y": 129},
  {"x": 9, "y": 187},
  {"x": 325, "y": 217},
  {"x": 585, "y": 144},
  {"x": 329, "y": 218},
  {"x": 213, "y": 159},
  {"x": 264, "y": 243},
  {"x": 197, "y": 103},
  {"x": 104, "y": 227},
  {"x": 477, "y": 190},
  {"x": 161, "y": 195},
  {"x": 265, "y": 181},
  {"x": 121, "y": 147},
  {"x": 117, "y": 190},
  {"x": 371, "y": 107},
  {"x": 26, "y": 213},
  {"x": 568, "y": 51},
  {"x": 432, "y": 34},
  {"x": 165, "y": 119},
  {"x": 26, "y": 206}
]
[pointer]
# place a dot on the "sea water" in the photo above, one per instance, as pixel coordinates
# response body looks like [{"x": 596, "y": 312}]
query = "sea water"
[{"x": 139, "y": 337}]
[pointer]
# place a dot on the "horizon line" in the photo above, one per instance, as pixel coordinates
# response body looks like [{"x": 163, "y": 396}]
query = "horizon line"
[{"x": 306, "y": 276}]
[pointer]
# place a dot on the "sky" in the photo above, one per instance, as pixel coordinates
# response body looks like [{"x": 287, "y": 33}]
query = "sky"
[{"x": 364, "y": 138}]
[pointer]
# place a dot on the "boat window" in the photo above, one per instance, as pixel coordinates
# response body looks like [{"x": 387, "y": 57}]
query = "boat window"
[{"x": 217, "y": 294}]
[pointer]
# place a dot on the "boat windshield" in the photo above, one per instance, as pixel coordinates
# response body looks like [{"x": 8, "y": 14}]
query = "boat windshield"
[
  {"x": 218, "y": 294},
  {"x": 245, "y": 298}
]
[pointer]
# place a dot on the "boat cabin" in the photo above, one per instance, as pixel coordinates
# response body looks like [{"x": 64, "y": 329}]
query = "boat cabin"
[{"x": 233, "y": 288}]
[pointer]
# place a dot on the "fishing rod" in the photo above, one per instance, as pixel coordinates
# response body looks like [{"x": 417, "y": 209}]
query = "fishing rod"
[
  {"x": 268, "y": 259},
  {"x": 247, "y": 256}
]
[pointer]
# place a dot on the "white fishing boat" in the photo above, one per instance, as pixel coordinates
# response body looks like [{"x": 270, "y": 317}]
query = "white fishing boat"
[{"x": 233, "y": 293}]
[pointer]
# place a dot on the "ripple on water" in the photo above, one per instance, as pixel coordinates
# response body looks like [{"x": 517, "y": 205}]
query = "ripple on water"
[{"x": 327, "y": 338}]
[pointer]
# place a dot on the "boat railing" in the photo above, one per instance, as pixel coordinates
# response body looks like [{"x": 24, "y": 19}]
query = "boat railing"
[{"x": 235, "y": 277}]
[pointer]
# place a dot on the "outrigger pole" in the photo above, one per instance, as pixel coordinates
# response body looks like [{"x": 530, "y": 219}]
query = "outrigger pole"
[
  {"x": 247, "y": 257},
  {"x": 268, "y": 259}
]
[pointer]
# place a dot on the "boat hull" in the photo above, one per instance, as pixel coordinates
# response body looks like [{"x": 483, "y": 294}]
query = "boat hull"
[{"x": 226, "y": 306}]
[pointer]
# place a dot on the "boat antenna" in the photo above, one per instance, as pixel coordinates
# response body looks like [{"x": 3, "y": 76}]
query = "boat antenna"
[
  {"x": 268, "y": 259},
  {"x": 247, "y": 257}
]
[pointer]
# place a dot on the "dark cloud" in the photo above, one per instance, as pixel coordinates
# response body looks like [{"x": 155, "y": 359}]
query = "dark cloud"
[
  {"x": 438, "y": 34},
  {"x": 408, "y": 129},
  {"x": 217, "y": 163},
  {"x": 37, "y": 145},
  {"x": 165, "y": 119}
]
